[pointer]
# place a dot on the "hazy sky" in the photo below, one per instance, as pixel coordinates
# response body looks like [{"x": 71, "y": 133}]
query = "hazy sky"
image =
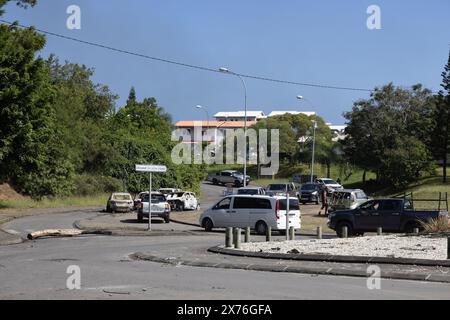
[{"x": 323, "y": 42}]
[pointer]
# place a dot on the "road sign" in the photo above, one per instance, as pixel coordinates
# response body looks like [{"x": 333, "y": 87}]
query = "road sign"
[{"x": 151, "y": 168}]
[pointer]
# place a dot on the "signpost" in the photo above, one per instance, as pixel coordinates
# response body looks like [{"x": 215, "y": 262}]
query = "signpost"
[{"x": 150, "y": 168}]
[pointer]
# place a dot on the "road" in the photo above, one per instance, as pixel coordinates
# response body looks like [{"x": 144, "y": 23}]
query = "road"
[{"x": 37, "y": 270}]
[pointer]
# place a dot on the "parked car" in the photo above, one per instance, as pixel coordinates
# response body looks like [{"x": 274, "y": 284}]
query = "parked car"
[
  {"x": 258, "y": 212},
  {"x": 393, "y": 215},
  {"x": 252, "y": 191},
  {"x": 346, "y": 199},
  {"x": 160, "y": 207},
  {"x": 330, "y": 183},
  {"x": 168, "y": 191},
  {"x": 183, "y": 201},
  {"x": 275, "y": 189},
  {"x": 119, "y": 202},
  {"x": 310, "y": 192},
  {"x": 228, "y": 177}
]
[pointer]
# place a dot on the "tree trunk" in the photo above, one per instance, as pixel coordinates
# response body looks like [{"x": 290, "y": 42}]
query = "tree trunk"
[
  {"x": 328, "y": 169},
  {"x": 364, "y": 177},
  {"x": 444, "y": 167}
]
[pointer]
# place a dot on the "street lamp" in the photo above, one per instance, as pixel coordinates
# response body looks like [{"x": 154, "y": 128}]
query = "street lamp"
[
  {"x": 314, "y": 142},
  {"x": 226, "y": 70}
]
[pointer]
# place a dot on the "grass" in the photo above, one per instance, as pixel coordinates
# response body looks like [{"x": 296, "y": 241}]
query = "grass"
[
  {"x": 87, "y": 201},
  {"x": 436, "y": 225}
]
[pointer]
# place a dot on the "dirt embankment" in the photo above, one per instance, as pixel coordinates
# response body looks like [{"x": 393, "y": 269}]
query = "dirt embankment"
[{"x": 8, "y": 193}]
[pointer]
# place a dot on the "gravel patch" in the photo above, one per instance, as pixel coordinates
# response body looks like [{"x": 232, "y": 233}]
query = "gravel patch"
[{"x": 392, "y": 246}]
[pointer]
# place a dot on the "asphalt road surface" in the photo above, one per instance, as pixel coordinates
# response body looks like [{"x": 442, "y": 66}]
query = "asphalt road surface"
[{"x": 38, "y": 270}]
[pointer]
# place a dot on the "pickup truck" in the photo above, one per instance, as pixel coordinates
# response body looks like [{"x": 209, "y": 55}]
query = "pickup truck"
[
  {"x": 228, "y": 177},
  {"x": 395, "y": 215},
  {"x": 160, "y": 207}
]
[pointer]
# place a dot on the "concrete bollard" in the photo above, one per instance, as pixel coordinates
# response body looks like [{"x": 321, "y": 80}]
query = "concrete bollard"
[
  {"x": 319, "y": 233},
  {"x": 344, "y": 232},
  {"x": 380, "y": 231},
  {"x": 229, "y": 237},
  {"x": 269, "y": 234},
  {"x": 237, "y": 238},
  {"x": 291, "y": 233},
  {"x": 416, "y": 230},
  {"x": 247, "y": 235},
  {"x": 448, "y": 248}
]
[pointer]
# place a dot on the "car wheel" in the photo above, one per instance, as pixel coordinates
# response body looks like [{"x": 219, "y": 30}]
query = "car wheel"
[
  {"x": 303, "y": 202},
  {"x": 339, "y": 227},
  {"x": 409, "y": 227},
  {"x": 208, "y": 224},
  {"x": 261, "y": 228},
  {"x": 215, "y": 181}
]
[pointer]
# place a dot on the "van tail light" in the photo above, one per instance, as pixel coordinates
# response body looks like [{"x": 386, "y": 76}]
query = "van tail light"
[{"x": 277, "y": 209}]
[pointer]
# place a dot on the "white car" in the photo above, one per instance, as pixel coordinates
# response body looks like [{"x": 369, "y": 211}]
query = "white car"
[
  {"x": 255, "y": 211},
  {"x": 330, "y": 183},
  {"x": 183, "y": 201}
]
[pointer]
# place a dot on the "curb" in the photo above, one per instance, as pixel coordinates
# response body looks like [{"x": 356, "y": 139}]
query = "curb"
[
  {"x": 303, "y": 270},
  {"x": 14, "y": 239},
  {"x": 331, "y": 258},
  {"x": 297, "y": 234},
  {"x": 135, "y": 232}
]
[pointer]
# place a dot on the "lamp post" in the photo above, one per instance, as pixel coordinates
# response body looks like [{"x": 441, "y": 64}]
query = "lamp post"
[
  {"x": 206, "y": 112},
  {"x": 314, "y": 142},
  {"x": 226, "y": 70}
]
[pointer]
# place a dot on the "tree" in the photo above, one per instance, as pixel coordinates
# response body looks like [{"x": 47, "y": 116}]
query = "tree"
[
  {"x": 441, "y": 117},
  {"x": 30, "y": 156},
  {"x": 392, "y": 122},
  {"x": 22, "y": 3},
  {"x": 131, "y": 97}
]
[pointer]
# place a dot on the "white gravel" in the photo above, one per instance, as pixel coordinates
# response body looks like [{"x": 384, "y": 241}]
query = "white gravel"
[{"x": 395, "y": 246}]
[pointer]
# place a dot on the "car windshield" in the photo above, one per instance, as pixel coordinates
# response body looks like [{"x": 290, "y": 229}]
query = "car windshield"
[
  {"x": 248, "y": 191},
  {"x": 237, "y": 173},
  {"x": 121, "y": 197},
  {"x": 277, "y": 187},
  {"x": 156, "y": 198},
  {"x": 329, "y": 181}
]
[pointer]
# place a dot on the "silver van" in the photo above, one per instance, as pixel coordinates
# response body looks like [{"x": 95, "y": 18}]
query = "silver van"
[{"x": 255, "y": 211}]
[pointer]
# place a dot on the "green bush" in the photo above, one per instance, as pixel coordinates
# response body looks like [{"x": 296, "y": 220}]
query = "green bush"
[{"x": 90, "y": 185}]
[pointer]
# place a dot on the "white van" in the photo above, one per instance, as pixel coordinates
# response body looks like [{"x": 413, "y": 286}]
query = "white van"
[{"x": 255, "y": 211}]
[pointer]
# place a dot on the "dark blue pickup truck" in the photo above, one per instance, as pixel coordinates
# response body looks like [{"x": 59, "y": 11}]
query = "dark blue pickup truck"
[{"x": 393, "y": 215}]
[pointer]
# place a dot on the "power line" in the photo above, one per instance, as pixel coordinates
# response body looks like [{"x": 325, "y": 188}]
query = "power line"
[{"x": 186, "y": 65}]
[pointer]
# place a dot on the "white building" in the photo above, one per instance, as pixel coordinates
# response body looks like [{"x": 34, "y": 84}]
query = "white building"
[{"x": 239, "y": 116}]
